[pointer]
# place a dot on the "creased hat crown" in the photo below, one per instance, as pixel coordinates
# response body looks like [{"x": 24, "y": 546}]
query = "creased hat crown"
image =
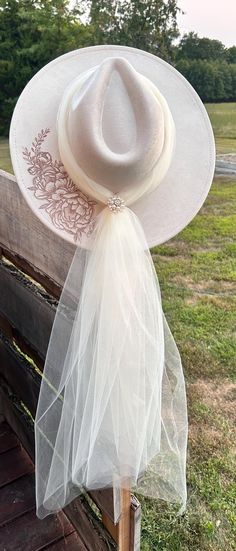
[
  {"x": 115, "y": 129},
  {"x": 115, "y": 145}
]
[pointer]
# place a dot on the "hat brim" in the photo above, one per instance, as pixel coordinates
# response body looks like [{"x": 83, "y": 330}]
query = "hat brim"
[{"x": 49, "y": 191}]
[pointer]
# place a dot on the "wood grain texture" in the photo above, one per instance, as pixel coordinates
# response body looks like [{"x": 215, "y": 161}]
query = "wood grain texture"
[
  {"x": 124, "y": 522},
  {"x": 121, "y": 532},
  {"x": 28, "y": 533},
  {"x": 19, "y": 374},
  {"x": 104, "y": 501},
  {"x": 13, "y": 464},
  {"x": 19, "y": 526},
  {"x": 17, "y": 417},
  {"x": 8, "y": 439},
  {"x": 26, "y": 307},
  {"x": 17, "y": 498},
  {"x": 72, "y": 543},
  {"x": 135, "y": 524},
  {"x": 30, "y": 270},
  {"x": 23, "y": 235},
  {"x": 79, "y": 512},
  {"x": 90, "y": 528}
]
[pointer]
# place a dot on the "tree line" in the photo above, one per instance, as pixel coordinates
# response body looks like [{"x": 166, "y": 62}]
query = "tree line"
[
  {"x": 209, "y": 66},
  {"x": 33, "y": 32}
]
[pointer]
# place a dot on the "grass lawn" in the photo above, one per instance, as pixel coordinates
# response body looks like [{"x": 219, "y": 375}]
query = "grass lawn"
[
  {"x": 197, "y": 273},
  {"x": 223, "y": 119},
  {"x": 5, "y": 161}
]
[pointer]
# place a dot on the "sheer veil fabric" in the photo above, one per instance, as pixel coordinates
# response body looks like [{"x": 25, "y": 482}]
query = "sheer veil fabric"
[{"x": 112, "y": 405}]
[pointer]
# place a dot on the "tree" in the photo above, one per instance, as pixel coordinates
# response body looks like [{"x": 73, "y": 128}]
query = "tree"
[
  {"x": 33, "y": 32},
  {"x": 213, "y": 80},
  {"x": 233, "y": 79},
  {"x": 191, "y": 46},
  {"x": 209, "y": 66},
  {"x": 231, "y": 54},
  {"x": 146, "y": 24}
]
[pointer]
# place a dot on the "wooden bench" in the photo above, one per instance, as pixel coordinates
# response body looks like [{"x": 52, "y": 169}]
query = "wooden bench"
[{"x": 33, "y": 266}]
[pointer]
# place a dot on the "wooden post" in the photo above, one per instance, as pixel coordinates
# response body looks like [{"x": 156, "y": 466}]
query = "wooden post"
[
  {"x": 124, "y": 523},
  {"x": 121, "y": 531}
]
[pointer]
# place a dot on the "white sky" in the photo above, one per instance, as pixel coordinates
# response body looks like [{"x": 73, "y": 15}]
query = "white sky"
[{"x": 211, "y": 18}]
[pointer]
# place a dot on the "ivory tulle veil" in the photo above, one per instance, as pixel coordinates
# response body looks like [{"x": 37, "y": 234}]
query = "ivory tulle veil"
[{"x": 112, "y": 402}]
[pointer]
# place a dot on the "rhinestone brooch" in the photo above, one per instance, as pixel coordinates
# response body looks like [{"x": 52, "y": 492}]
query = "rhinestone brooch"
[{"x": 115, "y": 203}]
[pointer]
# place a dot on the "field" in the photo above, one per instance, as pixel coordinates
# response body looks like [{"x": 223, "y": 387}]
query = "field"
[
  {"x": 223, "y": 119},
  {"x": 5, "y": 161},
  {"x": 197, "y": 274}
]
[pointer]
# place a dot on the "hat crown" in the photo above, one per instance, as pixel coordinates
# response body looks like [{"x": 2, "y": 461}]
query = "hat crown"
[{"x": 115, "y": 126}]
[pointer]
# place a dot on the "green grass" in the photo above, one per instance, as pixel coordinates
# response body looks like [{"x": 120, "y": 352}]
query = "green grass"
[
  {"x": 225, "y": 145},
  {"x": 223, "y": 119},
  {"x": 197, "y": 273},
  {"x": 5, "y": 161}
]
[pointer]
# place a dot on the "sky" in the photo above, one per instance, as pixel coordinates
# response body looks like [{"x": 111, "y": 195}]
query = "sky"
[{"x": 211, "y": 18}]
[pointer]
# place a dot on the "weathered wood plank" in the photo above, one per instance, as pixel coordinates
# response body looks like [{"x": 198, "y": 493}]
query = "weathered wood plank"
[
  {"x": 72, "y": 543},
  {"x": 27, "y": 350},
  {"x": 13, "y": 464},
  {"x": 5, "y": 326},
  {"x": 8, "y": 439},
  {"x": 89, "y": 527},
  {"x": 79, "y": 512},
  {"x": 104, "y": 501},
  {"x": 121, "y": 532},
  {"x": 124, "y": 522},
  {"x": 27, "y": 268},
  {"x": 27, "y": 308},
  {"x": 27, "y": 239},
  {"x": 17, "y": 418},
  {"x": 32, "y": 534},
  {"x": 135, "y": 524},
  {"x": 19, "y": 374},
  {"x": 17, "y": 498}
]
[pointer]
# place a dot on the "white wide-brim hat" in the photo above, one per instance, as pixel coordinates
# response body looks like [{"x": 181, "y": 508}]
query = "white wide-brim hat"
[{"x": 46, "y": 185}]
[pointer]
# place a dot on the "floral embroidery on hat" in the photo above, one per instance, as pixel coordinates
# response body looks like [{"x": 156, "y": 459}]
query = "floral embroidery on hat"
[{"x": 69, "y": 209}]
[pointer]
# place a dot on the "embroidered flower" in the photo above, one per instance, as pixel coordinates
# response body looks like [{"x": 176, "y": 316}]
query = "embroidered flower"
[
  {"x": 66, "y": 210},
  {"x": 69, "y": 209}
]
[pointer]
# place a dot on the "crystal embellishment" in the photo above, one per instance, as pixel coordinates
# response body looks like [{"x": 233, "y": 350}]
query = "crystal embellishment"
[{"x": 115, "y": 203}]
